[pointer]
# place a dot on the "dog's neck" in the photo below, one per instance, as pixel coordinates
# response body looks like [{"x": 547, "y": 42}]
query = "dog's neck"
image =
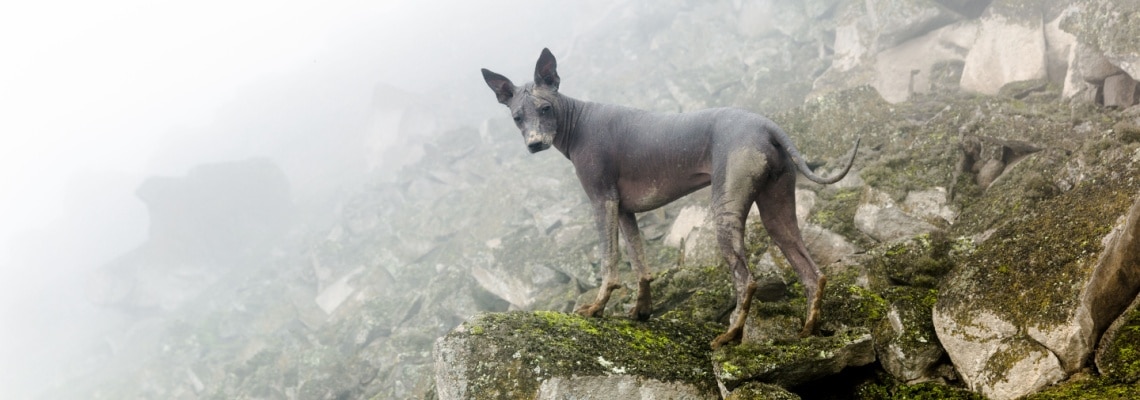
[{"x": 571, "y": 115}]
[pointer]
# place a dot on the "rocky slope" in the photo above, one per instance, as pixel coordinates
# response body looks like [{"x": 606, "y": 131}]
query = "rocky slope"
[{"x": 981, "y": 247}]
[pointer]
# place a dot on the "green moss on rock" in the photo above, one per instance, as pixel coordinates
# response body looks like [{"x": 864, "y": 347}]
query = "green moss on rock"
[
  {"x": 511, "y": 353},
  {"x": 1029, "y": 267},
  {"x": 761, "y": 391},
  {"x": 792, "y": 363},
  {"x": 1119, "y": 357},
  {"x": 1088, "y": 387},
  {"x": 884, "y": 387}
]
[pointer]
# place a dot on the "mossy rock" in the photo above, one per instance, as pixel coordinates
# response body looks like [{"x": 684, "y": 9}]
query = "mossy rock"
[
  {"x": 509, "y": 355},
  {"x": 1040, "y": 249},
  {"x": 884, "y": 387},
  {"x": 793, "y": 363},
  {"x": 921, "y": 261},
  {"x": 1118, "y": 358},
  {"x": 905, "y": 341},
  {"x": 1088, "y": 387},
  {"x": 761, "y": 391}
]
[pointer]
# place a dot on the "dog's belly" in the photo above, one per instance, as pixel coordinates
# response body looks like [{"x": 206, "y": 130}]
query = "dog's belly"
[{"x": 645, "y": 195}]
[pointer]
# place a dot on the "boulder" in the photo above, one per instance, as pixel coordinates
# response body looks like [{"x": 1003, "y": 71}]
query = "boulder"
[
  {"x": 618, "y": 387},
  {"x": 788, "y": 364},
  {"x": 882, "y": 219},
  {"x": 1010, "y": 47},
  {"x": 1119, "y": 91},
  {"x": 761, "y": 391},
  {"x": 865, "y": 29},
  {"x": 1025, "y": 310},
  {"x": 1117, "y": 357},
  {"x": 905, "y": 342},
  {"x": 910, "y": 67},
  {"x": 547, "y": 355},
  {"x": 1108, "y": 26}
]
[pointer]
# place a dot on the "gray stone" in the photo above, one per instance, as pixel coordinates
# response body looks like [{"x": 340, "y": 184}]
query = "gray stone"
[
  {"x": 881, "y": 219},
  {"x": 1108, "y": 26},
  {"x": 1008, "y": 49},
  {"x": 907, "y": 69},
  {"x": 905, "y": 342},
  {"x": 1119, "y": 91}
]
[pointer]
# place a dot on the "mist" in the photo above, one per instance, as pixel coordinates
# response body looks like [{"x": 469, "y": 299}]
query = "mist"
[{"x": 96, "y": 98}]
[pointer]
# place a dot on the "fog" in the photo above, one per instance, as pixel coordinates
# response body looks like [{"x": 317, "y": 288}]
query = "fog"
[{"x": 95, "y": 97}]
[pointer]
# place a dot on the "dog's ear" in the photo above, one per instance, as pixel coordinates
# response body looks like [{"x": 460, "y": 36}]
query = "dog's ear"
[
  {"x": 502, "y": 86},
  {"x": 545, "y": 72}
]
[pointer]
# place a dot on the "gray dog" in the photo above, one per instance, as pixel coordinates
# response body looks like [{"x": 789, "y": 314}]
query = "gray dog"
[{"x": 631, "y": 161}]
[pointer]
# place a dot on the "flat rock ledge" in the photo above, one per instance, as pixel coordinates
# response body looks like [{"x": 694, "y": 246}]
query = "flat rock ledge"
[{"x": 550, "y": 355}]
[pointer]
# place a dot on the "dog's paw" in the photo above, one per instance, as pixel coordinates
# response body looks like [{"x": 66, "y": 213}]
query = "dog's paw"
[
  {"x": 640, "y": 314},
  {"x": 732, "y": 335},
  {"x": 590, "y": 310}
]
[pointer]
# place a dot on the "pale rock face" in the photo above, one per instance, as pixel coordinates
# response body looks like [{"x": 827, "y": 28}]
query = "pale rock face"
[
  {"x": 929, "y": 204},
  {"x": 1005, "y": 51},
  {"x": 885, "y": 221},
  {"x": 975, "y": 344},
  {"x": 914, "y": 59},
  {"x": 1119, "y": 91}
]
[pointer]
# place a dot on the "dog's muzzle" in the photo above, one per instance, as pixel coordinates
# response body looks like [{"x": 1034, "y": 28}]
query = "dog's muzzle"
[{"x": 537, "y": 147}]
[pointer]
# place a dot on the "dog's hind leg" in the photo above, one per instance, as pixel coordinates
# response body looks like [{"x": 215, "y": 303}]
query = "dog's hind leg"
[
  {"x": 777, "y": 203},
  {"x": 731, "y": 202},
  {"x": 636, "y": 245},
  {"x": 606, "y": 217}
]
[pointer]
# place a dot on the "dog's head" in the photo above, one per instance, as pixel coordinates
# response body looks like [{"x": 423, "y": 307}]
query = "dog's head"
[{"x": 534, "y": 106}]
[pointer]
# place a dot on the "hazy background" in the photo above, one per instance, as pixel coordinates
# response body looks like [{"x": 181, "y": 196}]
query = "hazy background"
[{"x": 95, "y": 97}]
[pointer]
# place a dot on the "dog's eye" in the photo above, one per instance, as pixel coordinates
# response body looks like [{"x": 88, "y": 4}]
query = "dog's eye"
[
  {"x": 518, "y": 118},
  {"x": 545, "y": 109}
]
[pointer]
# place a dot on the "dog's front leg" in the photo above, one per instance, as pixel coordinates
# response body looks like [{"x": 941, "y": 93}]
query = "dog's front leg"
[
  {"x": 606, "y": 217},
  {"x": 636, "y": 249}
]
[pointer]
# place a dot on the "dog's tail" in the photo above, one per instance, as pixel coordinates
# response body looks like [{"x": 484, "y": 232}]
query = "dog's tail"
[{"x": 798, "y": 158}]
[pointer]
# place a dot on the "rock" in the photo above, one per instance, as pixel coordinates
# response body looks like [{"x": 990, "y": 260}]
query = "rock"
[
  {"x": 691, "y": 218},
  {"x": 336, "y": 293},
  {"x": 1119, "y": 91},
  {"x": 805, "y": 201},
  {"x": 905, "y": 342},
  {"x": 1060, "y": 50},
  {"x": 989, "y": 172},
  {"x": 768, "y": 17},
  {"x": 617, "y": 387},
  {"x": 1009, "y": 48},
  {"x": 761, "y": 391},
  {"x": 825, "y": 246},
  {"x": 882, "y": 220},
  {"x": 219, "y": 216},
  {"x": 1023, "y": 311},
  {"x": 1108, "y": 26},
  {"x": 1092, "y": 66},
  {"x": 912, "y": 66},
  {"x": 551, "y": 355},
  {"x": 1117, "y": 357},
  {"x": 790, "y": 364},
  {"x": 930, "y": 205},
  {"x": 865, "y": 29}
]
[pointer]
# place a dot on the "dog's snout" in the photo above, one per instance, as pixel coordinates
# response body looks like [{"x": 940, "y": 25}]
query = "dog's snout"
[{"x": 536, "y": 147}]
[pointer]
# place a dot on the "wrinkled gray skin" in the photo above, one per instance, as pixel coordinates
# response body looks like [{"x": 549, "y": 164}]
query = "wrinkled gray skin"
[{"x": 631, "y": 161}]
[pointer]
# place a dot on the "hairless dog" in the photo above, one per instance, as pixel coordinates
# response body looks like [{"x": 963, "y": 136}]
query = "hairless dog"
[{"x": 631, "y": 161}]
